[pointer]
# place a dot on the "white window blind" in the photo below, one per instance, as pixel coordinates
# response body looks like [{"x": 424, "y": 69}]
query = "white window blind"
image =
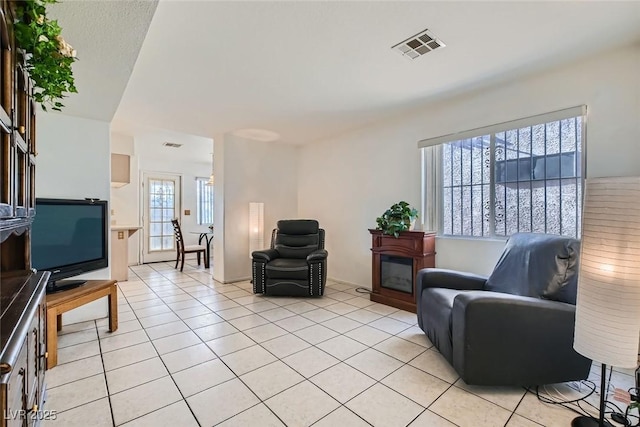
[{"x": 501, "y": 127}]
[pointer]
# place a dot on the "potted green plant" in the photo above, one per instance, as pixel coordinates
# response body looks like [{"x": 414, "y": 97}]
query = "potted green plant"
[
  {"x": 48, "y": 57},
  {"x": 399, "y": 217}
]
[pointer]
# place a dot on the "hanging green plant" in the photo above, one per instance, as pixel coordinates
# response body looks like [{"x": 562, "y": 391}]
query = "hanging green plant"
[{"x": 48, "y": 56}]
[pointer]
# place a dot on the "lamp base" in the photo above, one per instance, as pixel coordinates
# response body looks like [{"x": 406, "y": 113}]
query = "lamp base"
[{"x": 583, "y": 421}]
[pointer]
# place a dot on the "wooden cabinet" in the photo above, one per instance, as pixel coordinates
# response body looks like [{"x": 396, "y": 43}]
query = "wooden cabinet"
[
  {"x": 22, "y": 303},
  {"x": 23, "y": 346},
  {"x": 395, "y": 263},
  {"x": 17, "y": 127}
]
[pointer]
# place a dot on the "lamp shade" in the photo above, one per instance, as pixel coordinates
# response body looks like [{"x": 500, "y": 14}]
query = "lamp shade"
[
  {"x": 256, "y": 227},
  {"x": 607, "y": 327}
]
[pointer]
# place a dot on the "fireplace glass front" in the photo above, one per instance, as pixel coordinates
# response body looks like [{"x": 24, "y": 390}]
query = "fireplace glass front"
[{"x": 396, "y": 273}]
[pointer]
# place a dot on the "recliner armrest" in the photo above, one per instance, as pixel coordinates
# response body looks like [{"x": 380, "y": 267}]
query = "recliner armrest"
[
  {"x": 265, "y": 255},
  {"x": 317, "y": 255},
  {"x": 512, "y": 336},
  {"x": 494, "y": 308},
  {"x": 449, "y": 279}
]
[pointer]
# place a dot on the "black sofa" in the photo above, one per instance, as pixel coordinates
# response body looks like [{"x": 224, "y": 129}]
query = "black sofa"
[
  {"x": 296, "y": 263},
  {"x": 515, "y": 327}
]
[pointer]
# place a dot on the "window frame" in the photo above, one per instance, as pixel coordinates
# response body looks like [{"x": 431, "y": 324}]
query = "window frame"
[
  {"x": 432, "y": 169},
  {"x": 202, "y": 182}
]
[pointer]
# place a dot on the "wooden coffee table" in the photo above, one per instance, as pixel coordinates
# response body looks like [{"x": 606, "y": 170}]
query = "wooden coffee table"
[{"x": 63, "y": 301}]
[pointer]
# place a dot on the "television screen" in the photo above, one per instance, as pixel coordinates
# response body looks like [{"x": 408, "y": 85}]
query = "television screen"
[{"x": 69, "y": 237}]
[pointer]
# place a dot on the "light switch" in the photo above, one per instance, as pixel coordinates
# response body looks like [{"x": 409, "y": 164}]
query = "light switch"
[
  {"x": 120, "y": 235},
  {"x": 187, "y": 212}
]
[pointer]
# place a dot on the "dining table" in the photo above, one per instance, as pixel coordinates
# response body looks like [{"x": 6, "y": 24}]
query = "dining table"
[{"x": 207, "y": 236}]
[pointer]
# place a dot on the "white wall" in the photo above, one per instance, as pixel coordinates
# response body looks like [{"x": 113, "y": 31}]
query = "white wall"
[
  {"x": 254, "y": 171},
  {"x": 73, "y": 163},
  {"x": 148, "y": 154},
  {"x": 348, "y": 181},
  {"x": 219, "y": 207}
]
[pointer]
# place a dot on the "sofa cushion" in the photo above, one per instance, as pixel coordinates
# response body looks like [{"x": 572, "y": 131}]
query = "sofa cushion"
[{"x": 537, "y": 265}]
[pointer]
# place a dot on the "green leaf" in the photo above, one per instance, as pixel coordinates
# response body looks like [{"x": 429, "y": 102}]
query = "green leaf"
[
  {"x": 396, "y": 219},
  {"x": 46, "y": 63}
]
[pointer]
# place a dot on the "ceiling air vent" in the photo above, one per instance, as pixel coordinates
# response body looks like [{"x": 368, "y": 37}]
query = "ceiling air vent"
[
  {"x": 172, "y": 145},
  {"x": 418, "y": 45}
]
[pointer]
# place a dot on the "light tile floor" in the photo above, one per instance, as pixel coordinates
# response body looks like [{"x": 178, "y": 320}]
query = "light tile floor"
[{"x": 190, "y": 351}]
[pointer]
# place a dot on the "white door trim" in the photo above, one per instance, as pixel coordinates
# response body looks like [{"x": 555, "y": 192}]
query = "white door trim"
[{"x": 145, "y": 175}]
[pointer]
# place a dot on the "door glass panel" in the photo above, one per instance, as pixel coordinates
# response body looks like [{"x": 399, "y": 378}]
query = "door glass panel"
[
  {"x": 162, "y": 208},
  {"x": 155, "y": 243},
  {"x": 156, "y": 229},
  {"x": 167, "y": 229}
]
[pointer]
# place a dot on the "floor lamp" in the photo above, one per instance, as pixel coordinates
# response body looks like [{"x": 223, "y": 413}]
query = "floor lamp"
[
  {"x": 256, "y": 227},
  {"x": 607, "y": 328}
]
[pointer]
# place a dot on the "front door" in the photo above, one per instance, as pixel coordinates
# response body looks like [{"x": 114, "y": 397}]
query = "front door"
[{"x": 161, "y": 204}]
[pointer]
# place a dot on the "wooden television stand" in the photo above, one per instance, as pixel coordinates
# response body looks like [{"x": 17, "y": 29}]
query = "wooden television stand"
[{"x": 63, "y": 301}]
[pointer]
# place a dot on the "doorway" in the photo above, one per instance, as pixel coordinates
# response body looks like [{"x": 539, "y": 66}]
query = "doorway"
[{"x": 161, "y": 204}]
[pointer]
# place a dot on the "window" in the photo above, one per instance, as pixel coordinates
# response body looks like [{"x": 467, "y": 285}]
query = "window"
[
  {"x": 205, "y": 201},
  {"x": 518, "y": 178}
]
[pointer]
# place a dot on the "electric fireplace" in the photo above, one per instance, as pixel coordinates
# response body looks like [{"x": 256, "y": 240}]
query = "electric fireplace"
[
  {"x": 395, "y": 263},
  {"x": 396, "y": 273}
]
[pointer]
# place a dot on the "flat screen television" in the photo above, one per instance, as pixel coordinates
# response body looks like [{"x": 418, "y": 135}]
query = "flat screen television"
[{"x": 68, "y": 238}]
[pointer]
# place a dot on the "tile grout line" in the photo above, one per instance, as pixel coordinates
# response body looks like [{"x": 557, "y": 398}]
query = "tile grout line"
[
  {"x": 342, "y": 405},
  {"x": 168, "y": 373},
  {"x": 516, "y": 407},
  {"x": 270, "y": 322},
  {"x": 323, "y": 370},
  {"x": 260, "y": 401},
  {"x": 277, "y": 359},
  {"x": 104, "y": 373}
]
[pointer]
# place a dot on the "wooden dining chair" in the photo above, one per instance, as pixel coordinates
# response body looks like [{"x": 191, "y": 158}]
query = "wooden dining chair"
[{"x": 182, "y": 250}]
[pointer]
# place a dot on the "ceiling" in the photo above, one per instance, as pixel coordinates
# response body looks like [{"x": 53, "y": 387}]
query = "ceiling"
[
  {"x": 311, "y": 70},
  {"x": 108, "y": 36}
]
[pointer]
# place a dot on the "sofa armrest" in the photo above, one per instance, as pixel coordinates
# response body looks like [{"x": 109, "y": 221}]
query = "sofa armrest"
[
  {"x": 449, "y": 279},
  {"x": 513, "y": 340},
  {"x": 317, "y": 261},
  {"x": 258, "y": 268},
  {"x": 265, "y": 255},
  {"x": 317, "y": 255}
]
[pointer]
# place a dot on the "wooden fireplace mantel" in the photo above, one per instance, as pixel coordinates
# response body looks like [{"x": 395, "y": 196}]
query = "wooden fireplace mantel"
[{"x": 419, "y": 246}]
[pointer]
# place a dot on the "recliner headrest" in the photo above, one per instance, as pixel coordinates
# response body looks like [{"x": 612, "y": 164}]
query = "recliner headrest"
[
  {"x": 298, "y": 226},
  {"x": 538, "y": 265}
]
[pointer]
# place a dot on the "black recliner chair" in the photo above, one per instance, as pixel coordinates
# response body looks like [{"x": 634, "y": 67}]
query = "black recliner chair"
[
  {"x": 296, "y": 263},
  {"x": 515, "y": 327}
]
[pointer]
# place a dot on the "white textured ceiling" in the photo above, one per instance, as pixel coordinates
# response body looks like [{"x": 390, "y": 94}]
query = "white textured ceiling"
[
  {"x": 107, "y": 36},
  {"x": 311, "y": 70}
]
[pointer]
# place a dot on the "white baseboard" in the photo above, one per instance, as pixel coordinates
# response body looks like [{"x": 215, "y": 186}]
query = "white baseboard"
[
  {"x": 349, "y": 283},
  {"x": 235, "y": 280}
]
